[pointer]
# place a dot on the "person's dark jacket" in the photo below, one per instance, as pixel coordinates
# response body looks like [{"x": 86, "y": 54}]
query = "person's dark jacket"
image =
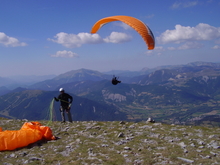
[{"x": 65, "y": 99}]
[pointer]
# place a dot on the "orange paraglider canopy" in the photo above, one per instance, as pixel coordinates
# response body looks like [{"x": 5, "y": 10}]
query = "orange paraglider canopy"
[
  {"x": 135, "y": 23},
  {"x": 29, "y": 133}
]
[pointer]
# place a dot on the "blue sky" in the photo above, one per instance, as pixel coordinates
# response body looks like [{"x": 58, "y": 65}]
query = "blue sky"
[{"x": 53, "y": 36}]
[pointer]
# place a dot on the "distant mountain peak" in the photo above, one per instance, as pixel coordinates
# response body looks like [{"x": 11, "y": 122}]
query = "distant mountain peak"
[
  {"x": 144, "y": 69},
  {"x": 202, "y": 63}
]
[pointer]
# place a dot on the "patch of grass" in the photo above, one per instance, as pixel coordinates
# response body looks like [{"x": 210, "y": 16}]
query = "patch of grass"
[{"x": 98, "y": 143}]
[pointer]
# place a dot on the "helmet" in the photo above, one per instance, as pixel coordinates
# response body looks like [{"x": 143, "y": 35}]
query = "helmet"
[{"x": 61, "y": 90}]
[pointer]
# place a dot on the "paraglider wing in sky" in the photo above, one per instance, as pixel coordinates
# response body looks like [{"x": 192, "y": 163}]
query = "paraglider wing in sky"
[{"x": 135, "y": 23}]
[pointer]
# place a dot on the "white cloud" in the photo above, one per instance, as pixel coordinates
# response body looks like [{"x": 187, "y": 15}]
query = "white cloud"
[
  {"x": 159, "y": 48},
  {"x": 123, "y": 25},
  {"x": 186, "y": 33},
  {"x": 184, "y": 4},
  {"x": 10, "y": 41},
  {"x": 187, "y": 45},
  {"x": 190, "y": 45},
  {"x": 171, "y": 48},
  {"x": 216, "y": 47},
  {"x": 65, "y": 53},
  {"x": 73, "y": 40},
  {"x": 157, "y": 51},
  {"x": 116, "y": 37}
]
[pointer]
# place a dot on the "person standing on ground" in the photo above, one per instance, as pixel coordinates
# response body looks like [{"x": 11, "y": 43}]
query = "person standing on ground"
[{"x": 65, "y": 104}]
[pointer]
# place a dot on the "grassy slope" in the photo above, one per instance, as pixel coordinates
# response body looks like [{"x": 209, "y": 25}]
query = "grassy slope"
[{"x": 98, "y": 143}]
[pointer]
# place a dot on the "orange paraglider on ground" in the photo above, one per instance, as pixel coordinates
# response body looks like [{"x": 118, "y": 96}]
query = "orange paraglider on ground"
[
  {"x": 29, "y": 133},
  {"x": 135, "y": 23}
]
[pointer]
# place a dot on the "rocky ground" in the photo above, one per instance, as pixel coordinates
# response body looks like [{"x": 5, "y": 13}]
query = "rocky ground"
[{"x": 119, "y": 143}]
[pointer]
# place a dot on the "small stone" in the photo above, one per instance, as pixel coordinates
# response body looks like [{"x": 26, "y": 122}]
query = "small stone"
[
  {"x": 127, "y": 148},
  {"x": 214, "y": 154},
  {"x": 208, "y": 157},
  {"x": 12, "y": 155},
  {"x": 182, "y": 144},
  {"x": 121, "y": 134},
  {"x": 23, "y": 154},
  {"x": 157, "y": 124},
  {"x": 122, "y": 122},
  {"x": 186, "y": 160},
  {"x": 193, "y": 145},
  {"x": 35, "y": 159},
  {"x": 213, "y": 136},
  {"x": 7, "y": 163},
  {"x": 214, "y": 144},
  {"x": 104, "y": 145},
  {"x": 137, "y": 161},
  {"x": 97, "y": 127},
  {"x": 150, "y": 120},
  {"x": 25, "y": 120},
  {"x": 216, "y": 147}
]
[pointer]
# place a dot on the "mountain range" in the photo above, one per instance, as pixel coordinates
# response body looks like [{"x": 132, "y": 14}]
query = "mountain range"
[
  {"x": 38, "y": 104},
  {"x": 181, "y": 94}
]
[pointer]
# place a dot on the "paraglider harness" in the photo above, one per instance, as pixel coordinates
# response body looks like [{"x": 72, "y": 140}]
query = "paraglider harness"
[
  {"x": 115, "y": 80},
  {"x": 66, "y": 107}
]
